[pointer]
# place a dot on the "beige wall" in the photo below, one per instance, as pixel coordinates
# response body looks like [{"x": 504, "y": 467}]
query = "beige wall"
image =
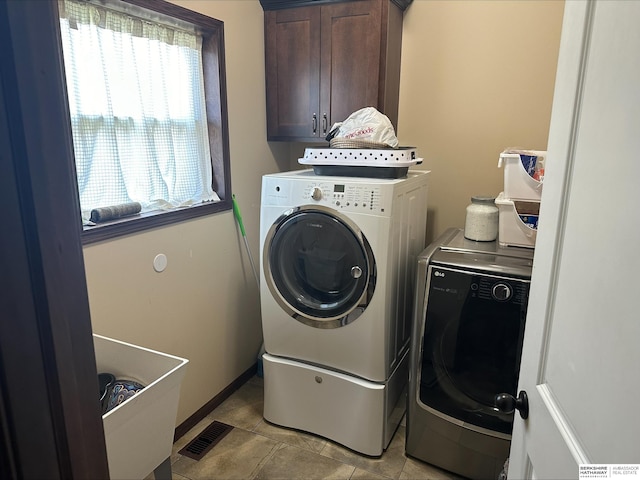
[{"x": 476, "y": 77}]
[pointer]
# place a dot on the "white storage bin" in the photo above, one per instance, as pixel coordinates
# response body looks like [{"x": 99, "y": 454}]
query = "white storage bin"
[
  {"x": 512, "y": 230},
  {"x": 139, "y": 432},
  {"x": 518, "y": 184}
]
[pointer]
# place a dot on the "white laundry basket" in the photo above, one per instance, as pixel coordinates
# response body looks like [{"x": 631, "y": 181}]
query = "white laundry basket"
[
  {"x": 512, "y": 230},
  {"x": 518, "y": 183}
]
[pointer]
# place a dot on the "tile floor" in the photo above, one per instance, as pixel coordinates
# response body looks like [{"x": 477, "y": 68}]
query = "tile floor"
[{"x": 257, "y": 450}]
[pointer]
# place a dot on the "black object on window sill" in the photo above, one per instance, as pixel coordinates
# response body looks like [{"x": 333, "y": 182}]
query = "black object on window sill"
[{"x": 104, "y": 214}]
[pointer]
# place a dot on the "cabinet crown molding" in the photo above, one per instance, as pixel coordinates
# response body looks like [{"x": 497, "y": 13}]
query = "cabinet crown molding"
[{"x": 282, "y": 4}]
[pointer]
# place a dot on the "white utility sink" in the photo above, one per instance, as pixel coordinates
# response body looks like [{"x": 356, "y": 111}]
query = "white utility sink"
[{"x": 139, "y": 432}]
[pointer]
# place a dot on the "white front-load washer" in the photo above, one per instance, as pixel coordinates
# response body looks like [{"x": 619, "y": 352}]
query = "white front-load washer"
[{"x": 338, "y": 258}]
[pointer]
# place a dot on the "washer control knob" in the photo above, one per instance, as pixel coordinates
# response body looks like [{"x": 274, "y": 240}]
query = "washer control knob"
[
  {"x": 316, "y": 193},
  {"x": 501, "y": 292}
]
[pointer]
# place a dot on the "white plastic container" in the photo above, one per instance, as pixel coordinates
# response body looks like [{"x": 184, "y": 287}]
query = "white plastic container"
[
  {"x": 139, "y": 432},
  {"x": 518, "y": 184},
  {"x": 369, "y": 157},
  {"x": 512, "y": 231},
  {"x": 361, "y": 162},
  {"x": 481, "y": 221}
]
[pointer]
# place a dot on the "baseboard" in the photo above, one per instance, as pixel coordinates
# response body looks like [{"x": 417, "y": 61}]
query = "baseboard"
[{"x": 208, "y": 407}]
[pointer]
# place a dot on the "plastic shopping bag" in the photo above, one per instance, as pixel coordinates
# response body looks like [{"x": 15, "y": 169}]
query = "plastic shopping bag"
[{"x": 366, "y": 124}]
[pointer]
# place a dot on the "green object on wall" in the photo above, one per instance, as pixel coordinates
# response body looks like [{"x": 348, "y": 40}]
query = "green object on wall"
[{"x": 238, "y": 215}]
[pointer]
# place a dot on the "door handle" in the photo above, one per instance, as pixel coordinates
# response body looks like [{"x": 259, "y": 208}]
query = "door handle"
[
  {"x": 325, "y": 122},
  {"x": 314, "y": 123},
  {"x": 507, "y": 403}
]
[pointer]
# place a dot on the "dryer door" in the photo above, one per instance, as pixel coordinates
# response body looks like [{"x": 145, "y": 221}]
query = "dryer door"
[
  {"x": 319, "y": 267},
  {"x": 472, "y": 343}
]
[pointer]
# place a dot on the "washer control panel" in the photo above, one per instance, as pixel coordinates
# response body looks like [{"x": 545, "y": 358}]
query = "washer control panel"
[
  {"x": 357, "y": 195},
  {"x": 344, "y": 196}
]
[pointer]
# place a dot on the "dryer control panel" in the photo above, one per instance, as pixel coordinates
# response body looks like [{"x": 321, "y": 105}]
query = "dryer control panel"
[{"x": 347, "y": 196}]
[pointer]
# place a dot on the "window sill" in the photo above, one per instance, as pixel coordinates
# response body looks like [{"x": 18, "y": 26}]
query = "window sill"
[{"x": 149, "y": 220}]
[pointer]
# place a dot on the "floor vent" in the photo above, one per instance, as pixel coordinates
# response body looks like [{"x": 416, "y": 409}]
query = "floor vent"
[{"x": 205, "y": 441}]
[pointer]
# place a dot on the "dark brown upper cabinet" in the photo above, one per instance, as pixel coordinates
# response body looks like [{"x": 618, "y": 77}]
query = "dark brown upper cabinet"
[{"x": 324, "y": 62}]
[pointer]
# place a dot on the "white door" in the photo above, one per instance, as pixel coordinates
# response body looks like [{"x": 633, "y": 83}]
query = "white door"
[{"x": 581, "y": 358}]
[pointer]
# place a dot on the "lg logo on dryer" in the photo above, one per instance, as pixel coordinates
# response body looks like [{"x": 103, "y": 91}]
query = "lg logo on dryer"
[{"x": 438, "y": 274}]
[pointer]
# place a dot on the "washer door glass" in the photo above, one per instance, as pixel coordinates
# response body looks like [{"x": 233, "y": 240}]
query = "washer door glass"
[
  {"x": 320, "y": 268},
  {"x": 472, "y": 344}
]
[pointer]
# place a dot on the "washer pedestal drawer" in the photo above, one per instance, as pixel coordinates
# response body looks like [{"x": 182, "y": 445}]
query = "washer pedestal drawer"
[
  {"x": 358, "y": 414},
  {"x": 457, "y": 447}
]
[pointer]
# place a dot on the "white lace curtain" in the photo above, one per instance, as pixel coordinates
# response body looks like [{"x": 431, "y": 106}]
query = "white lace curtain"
[{"x": 136, "y": 97}]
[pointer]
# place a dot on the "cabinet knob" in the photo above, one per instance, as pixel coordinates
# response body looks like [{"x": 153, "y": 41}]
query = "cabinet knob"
[
  {"x": 325, "y": 121},
  {"x": 314, "y": 123}
]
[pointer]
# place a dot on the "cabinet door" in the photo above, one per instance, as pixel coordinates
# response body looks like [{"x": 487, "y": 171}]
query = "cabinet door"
[
  {"x": 292, "y": 39},
  {"x": 350, "y": 59}
]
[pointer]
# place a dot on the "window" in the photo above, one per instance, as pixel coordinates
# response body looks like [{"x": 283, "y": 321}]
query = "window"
[{"x": 147, "y": 101}]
